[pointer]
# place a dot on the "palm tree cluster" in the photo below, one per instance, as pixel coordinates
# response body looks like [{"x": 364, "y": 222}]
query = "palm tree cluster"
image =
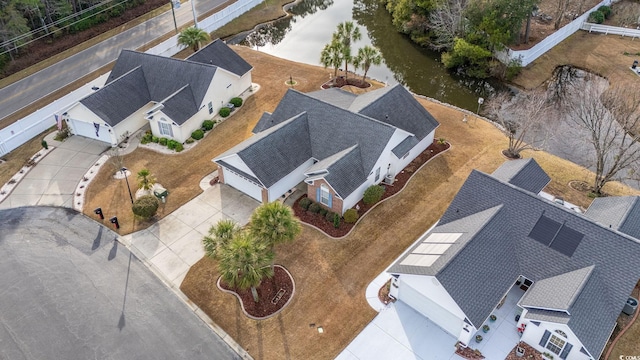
[
  {"x": 338, "y": 51},
  {"x": 193, "y": 37},
  {"x": 246, "y": 256}
]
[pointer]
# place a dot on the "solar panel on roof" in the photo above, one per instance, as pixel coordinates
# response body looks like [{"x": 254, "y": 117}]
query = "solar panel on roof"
[
  {"x": 567, "y": 241},
  {"x": 544, "y": 230}
]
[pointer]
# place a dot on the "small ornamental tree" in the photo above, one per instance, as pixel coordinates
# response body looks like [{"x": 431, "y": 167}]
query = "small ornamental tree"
[
  {"x": 145, "y": 207},
  {"x": 145, "y": 179},
  {"x": 373, "y": 194},
  {"x": 219, "y": 237}
]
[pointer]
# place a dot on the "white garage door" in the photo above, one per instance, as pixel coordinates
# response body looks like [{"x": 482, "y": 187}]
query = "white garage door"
[
  {"x": 89, "y": 130},
  {"x": 234, "y": 180},
  {"x": 437, "y": 314}
]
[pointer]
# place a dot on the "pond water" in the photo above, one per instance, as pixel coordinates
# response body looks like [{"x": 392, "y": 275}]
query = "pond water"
[{"x": 302, "y": 36}]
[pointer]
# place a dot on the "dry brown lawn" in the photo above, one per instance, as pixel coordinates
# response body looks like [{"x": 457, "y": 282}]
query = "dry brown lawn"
[
  {"x": 331, "y": 275},
  {"x": 598, "y": 53},
  {"x": 12, "y": 162}
]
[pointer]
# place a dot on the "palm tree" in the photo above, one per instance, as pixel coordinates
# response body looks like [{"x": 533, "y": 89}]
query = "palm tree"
[
  {"x": 274, "y": 223},
  {"x": 346, "y": 33},
  {"x": 192, "y": 37},
  {"x": 145, "y": 179},
  {"x": 366, "y": 57},
  {"x": 220, "y": 235},
  {"x": 244, "y": 262},
  {"x": 331, "y": 55}
]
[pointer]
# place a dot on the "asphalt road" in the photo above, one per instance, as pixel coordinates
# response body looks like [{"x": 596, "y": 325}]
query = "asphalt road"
[
  {"x": 34, "y": 87},
  {"x": 68, "y": 291}
]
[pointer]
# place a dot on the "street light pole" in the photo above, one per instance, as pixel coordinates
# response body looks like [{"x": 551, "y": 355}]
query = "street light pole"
[
  {"x": 124, "y": 172},
  {"x": 480, "y": 102},
  {"x": 195, "y": 17},
  {"x": 175, "y": 24}
]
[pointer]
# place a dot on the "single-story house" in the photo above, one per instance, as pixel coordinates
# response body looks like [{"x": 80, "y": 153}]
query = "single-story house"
[
  {"x": 577, "y": 270},
  {"x": 174, "y": 96},
  {"x": 337, "y": 142}
]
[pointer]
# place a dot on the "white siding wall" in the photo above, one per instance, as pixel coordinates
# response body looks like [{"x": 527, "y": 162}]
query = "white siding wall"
[
  {"x": 399, "y": 164},
  {"x": 289, "y": 182},
  {"x": 222, "y": 89},
  {"x": 235, "y": 161},
  {"x": 244, "y": 185},
  {"x": 132, "y": 123},
  {"x": 81, "y": 113},
  {"x": 533, "y": 334}
]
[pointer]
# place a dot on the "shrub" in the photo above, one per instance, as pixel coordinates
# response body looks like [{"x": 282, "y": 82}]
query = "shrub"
[
  {"x": 146, "y": 138},
  {"x": 155, "y": 139},
  {"x": 189, "y": 141},
  {"x": 197, "y": 135},
  {"x": 207, "y": 125},
  {"x": 323, "y": 211},
  {"x": 145, "y": 207},
  {"x": 596, "y": 17},
  {"x": 224, "y": 112},
  {"x": 315, "y": 208},
  {"x": 237, "y": 102},
  {"x": 163, "y": 141},
  {"x": 172, "y": 144},
  {"x": 373, "y": 194},
  {"x": 605, "y": 10},
  {"x": 336, "y": 220},
  {"x": 351, "y": 216},
  {"x": 329, "y": 216},
  {"x": 304, "y": 203},
  {"x": 179, "y": 147}
]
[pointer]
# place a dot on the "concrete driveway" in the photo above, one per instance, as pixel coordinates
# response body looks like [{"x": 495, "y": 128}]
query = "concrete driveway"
[
  {"x": 54, "y": 179},
  {"x": 69, "y": 291},
  {"x": 173, "y": 244}
]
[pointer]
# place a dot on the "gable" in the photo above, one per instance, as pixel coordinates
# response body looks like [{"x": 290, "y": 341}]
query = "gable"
[
  {"x": 523, "y": 173},
  {"x": 219, "y": 54}
]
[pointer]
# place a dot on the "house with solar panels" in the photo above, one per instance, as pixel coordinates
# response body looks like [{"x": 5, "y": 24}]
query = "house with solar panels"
[
  {"x": 173, "y": 96},
  {"x": 334, "y": 141},
  {"x": 569, "y": 274}
]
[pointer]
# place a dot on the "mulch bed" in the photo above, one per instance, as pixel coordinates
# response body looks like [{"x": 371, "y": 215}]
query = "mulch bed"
[
  {"x": 267, "y": 291},
  {"x": 469, "y": 353},
  {"x": 383, "y": 293},
  {"x": 401, "y": 180},
  {"x": 340, "y": 81},
  {"x": 529, "y": 353}
]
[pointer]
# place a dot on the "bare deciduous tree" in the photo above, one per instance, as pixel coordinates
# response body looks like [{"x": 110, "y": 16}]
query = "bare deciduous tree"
[
  {"x": 447, "y": 22},
  {"x": 611, "y": 118},
  {"x": 524, "y": 119}
]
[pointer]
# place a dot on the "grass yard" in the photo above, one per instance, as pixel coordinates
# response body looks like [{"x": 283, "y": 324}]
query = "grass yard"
[
  {"x": 597, "y": 53},
  {"x": 331, "y": 275}
]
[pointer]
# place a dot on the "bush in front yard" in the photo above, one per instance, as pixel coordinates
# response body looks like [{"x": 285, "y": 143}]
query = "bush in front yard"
[
  {"x": 323, "y": 211},
  {"x": 314, "y": 208},
  {"x": 224, "y": 112},
  {"x": 596, "y": 17},
  {"x": 373, "y": 194},
  {"x": 329, "y": 216},
  {"x": 179, "y": 147},
  {"x": 351, "y": 216},
  {"x": 189, "y": 141},
  {"x": 197, "y": 135},
  {"x": 172, "y": 144},
  {"x": 146, "y": 138},
  {"x": 236, "y": 101},
  {"x": 336, "y": 220},
  {"x": 304, "y": 203},
  {"x": 155, "y": 139},
  {"x": 163, "y": 141},
  {"x": 207, "y": 125},
  {"x": 605, "y": 10},
  {"x": 145, "y": 207}
]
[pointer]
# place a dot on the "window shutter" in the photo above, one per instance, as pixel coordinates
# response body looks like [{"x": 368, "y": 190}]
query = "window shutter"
[
  {"x": 565, "y": 351},
  {"x": 318, "y": 194},
  {"x": 545, "y": 338},
  {"x": 330, "y": 201}
]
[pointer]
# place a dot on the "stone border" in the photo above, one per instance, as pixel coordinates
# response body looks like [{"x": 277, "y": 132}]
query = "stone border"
[
  {"x": 293, "y": 292},
  {"x": 379, "y": 202},
  {"x": 7, "y": 188},
  {"x": 83, "y": 185}
]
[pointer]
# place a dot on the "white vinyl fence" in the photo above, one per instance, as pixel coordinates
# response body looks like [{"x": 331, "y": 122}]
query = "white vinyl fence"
[
  {"x": 30, "y": 126},
  {"x": 611, "y": 30},
  {"x": 528, "y": 56}
]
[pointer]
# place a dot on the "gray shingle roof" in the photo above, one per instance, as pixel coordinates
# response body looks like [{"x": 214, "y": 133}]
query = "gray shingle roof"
[
  {"x": 548, "y": 315},
  {"x": 220, "y": 54},
  {"x": 501, "y": 251},
  {"x": 618, "y": 212},
  {"x": 325, "y": 163},
  {"x": 347, "y": 174},
  {"x": 564, "y": 287},
  {"x": 407, "y": 144},
  {"x": 335, "y": 96},
  {"x": 523, "y": 173},
  {"x": 121, "y": 97},
  {"x": 154, "y": 78}
]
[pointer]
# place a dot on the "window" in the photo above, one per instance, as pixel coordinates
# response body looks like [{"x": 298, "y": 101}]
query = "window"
[
  {"x": 377, "y": 174},
  {"x": 165, "y": 128},
  {"x": 324, "y": 195},
  {"x": 210, "y": 107},
  {"x": 555, "y": 344}
]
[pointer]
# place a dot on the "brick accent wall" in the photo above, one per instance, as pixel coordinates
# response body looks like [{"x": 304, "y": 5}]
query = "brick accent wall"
[
  {"x": 336, "y": 203},
  {"x": 220, "y": 174}
]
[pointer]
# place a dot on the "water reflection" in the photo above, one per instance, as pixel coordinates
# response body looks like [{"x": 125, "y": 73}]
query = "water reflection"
[{"x": 301, "y": 38}]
